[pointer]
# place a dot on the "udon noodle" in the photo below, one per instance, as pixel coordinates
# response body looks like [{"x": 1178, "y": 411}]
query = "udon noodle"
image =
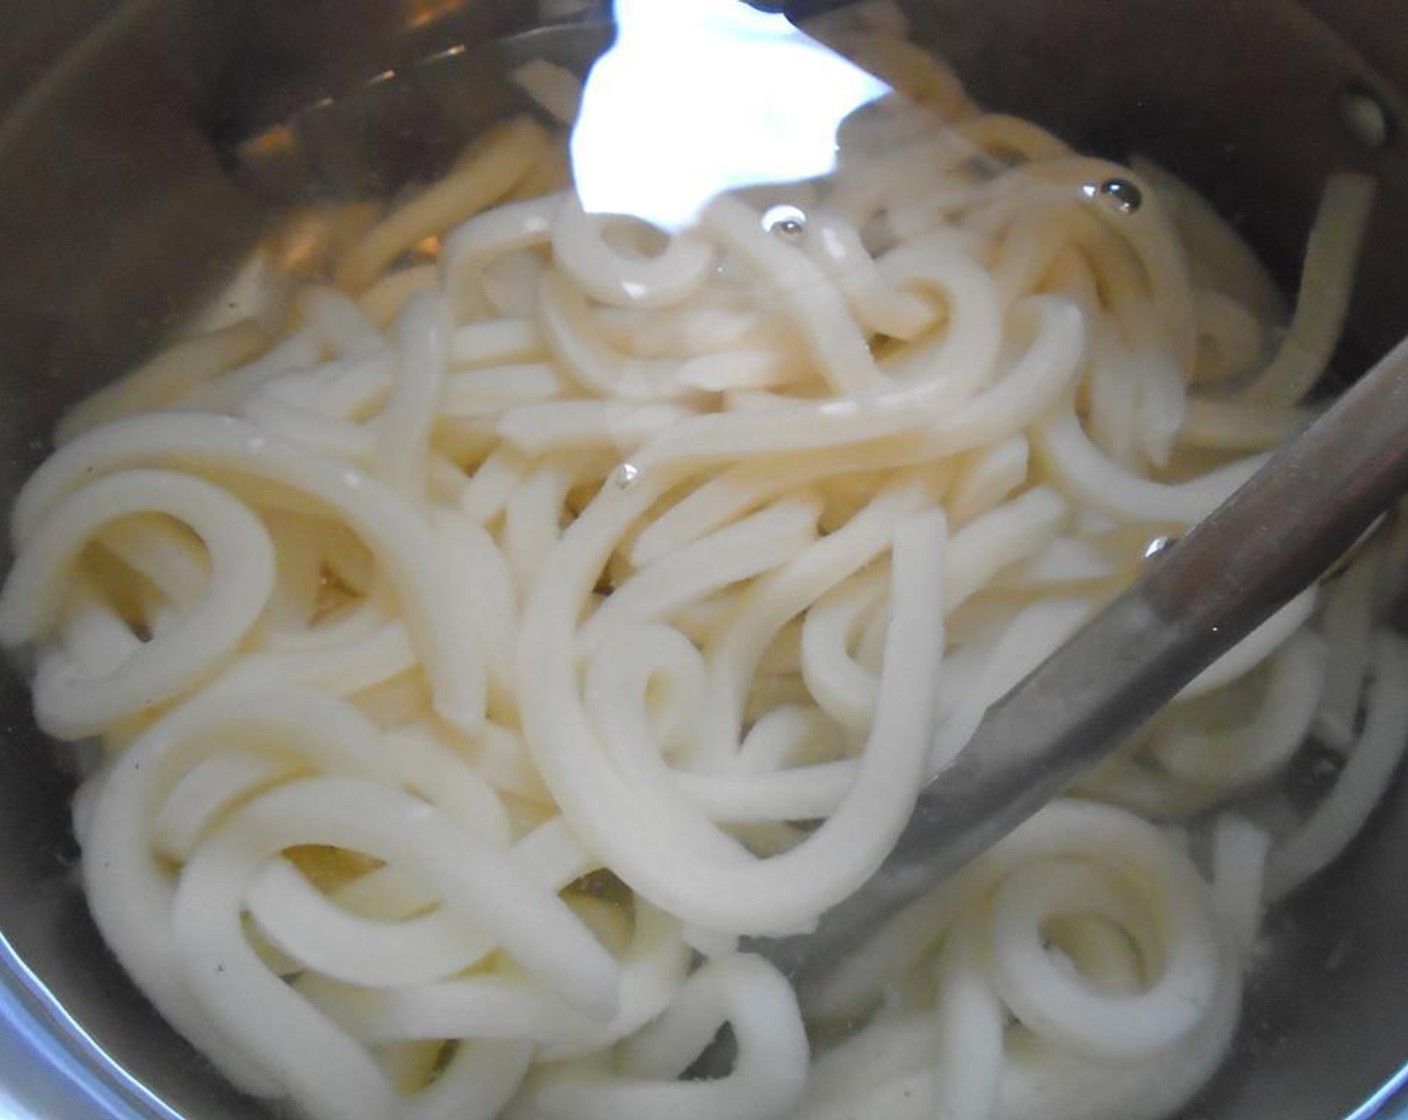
[{"x": 481, "y": 642}]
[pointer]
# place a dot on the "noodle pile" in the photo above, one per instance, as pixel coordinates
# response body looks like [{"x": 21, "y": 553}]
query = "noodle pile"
[{"x": 480, "y": 645}]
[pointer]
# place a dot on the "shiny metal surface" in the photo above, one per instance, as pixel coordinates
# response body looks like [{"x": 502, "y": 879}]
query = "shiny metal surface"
[
  {"x": 117, "y": 215},
  {"x": 406, "y": 124}
]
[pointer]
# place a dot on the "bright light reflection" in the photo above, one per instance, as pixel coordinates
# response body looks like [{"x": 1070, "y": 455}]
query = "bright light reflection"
[{"x": 697, "y": 97}]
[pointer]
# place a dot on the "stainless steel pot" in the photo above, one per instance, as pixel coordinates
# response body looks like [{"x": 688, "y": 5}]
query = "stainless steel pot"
[{"x": 119, "y": 211}]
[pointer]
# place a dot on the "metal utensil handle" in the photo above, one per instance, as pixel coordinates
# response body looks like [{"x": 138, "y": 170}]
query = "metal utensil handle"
[{"x": 1255, "y": 552}]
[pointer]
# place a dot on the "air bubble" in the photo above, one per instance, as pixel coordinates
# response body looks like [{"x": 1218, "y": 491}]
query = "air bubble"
[
  {"x": 1118, "y": 195},
  {"x": 785, "y": 221},
  {"x": 1364, "y": 117},
  {"x": 1158, "y": 545}
]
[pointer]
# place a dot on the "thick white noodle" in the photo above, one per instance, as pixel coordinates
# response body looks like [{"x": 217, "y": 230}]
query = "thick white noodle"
[
  {"x": 1231, "y": 758},
  {"x": 671, "y": 277},
  {"x": 432, "y": 593},
  {"x": 1323, "y": 301},
  {"x": 508, "y": 155},
  {"x": 71, "y": 704},
  {"x": 1375, "y": 756},
  {"x": 642, "y": 838}
]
